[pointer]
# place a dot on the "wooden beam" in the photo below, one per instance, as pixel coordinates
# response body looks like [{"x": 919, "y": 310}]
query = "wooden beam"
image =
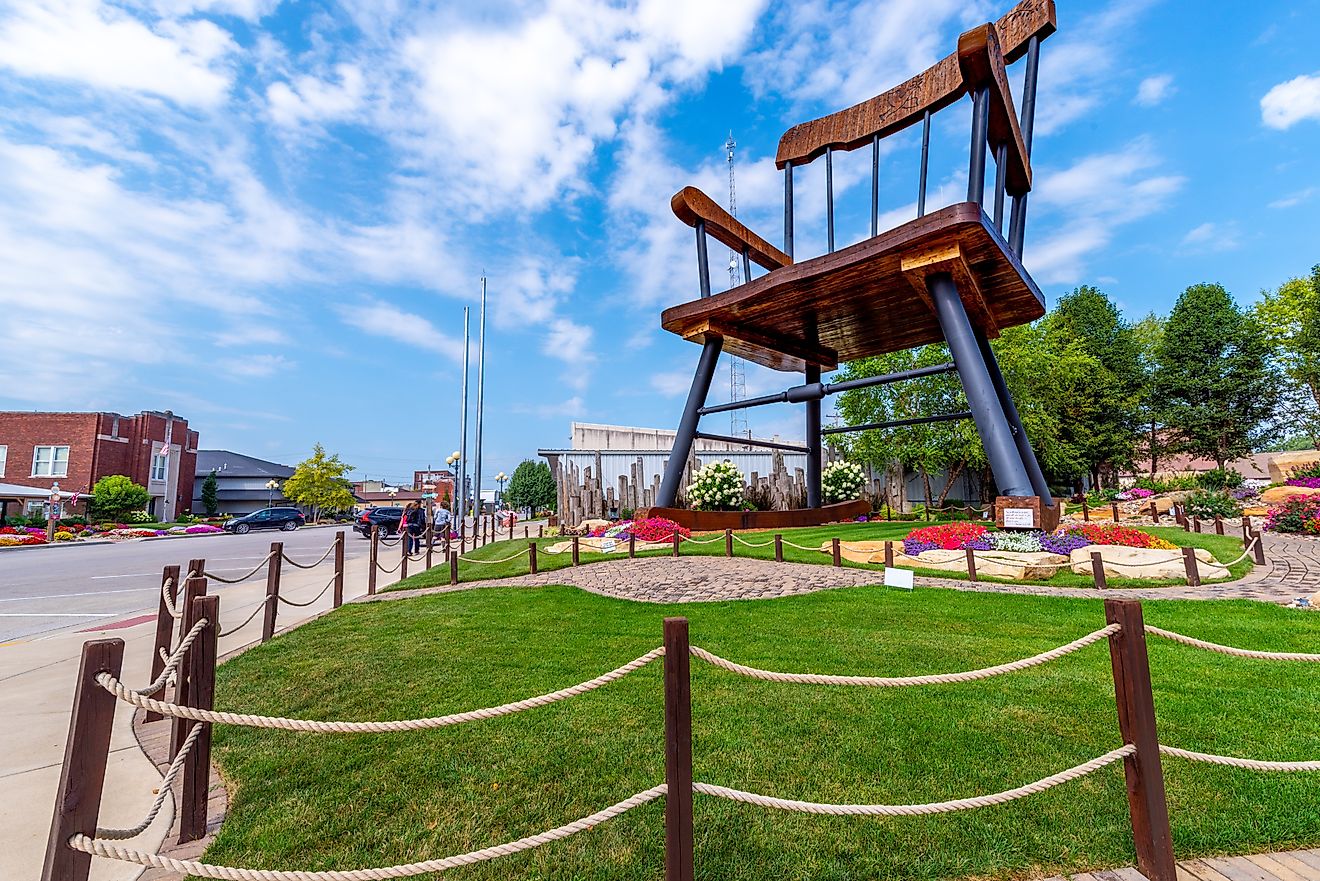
[
  {"x": 691, "y": 205},
  {"x": 918, "y": 267},
  {"x": 982, "y": 63}
]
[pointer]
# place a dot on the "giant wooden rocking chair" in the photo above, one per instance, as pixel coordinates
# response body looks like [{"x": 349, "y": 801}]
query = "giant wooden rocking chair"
[{"x": 948, "y": 276}]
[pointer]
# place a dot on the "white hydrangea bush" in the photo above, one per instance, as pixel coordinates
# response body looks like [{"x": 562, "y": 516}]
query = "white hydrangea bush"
[
  {"x": 842, "y": 481},
  {"x": 716, "y": 487}
]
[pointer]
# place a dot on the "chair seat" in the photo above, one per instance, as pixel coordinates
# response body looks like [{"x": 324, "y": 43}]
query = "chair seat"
[{"x": 869, "y": 298}]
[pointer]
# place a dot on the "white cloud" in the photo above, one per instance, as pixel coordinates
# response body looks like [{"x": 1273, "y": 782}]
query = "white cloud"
[
  {"x": 103, "y": 46},
  {"x": 571, "y": 343},
  {"x": 1290, "y": 102},
  {"x": 1210, "y": 236},
  {"x": 384, "y": 320},
  {"x": 309, "y": 99},
  {"x": 570, "y": 408},
  {"x": 1296, "y": 197},
  {"x": 672, "y": 383},
  {"x": 254, "y": 366},
  {"x": 1154, "y": 90}
]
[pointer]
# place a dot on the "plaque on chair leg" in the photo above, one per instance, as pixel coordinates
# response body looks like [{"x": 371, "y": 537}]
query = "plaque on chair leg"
[{"x": 1017, "y": 512}]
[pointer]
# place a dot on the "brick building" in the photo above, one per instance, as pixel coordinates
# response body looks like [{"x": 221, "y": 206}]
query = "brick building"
[{"x": 77, "y": 449}]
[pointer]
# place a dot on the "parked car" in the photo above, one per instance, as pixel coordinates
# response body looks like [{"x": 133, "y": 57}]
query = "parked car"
[
  {"x": 267, "y": 518},
  {"x": 386, "y": 518}
]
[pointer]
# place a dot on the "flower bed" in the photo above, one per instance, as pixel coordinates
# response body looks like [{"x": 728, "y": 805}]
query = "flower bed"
[
  {"x": 1297, "y": 514},
  {"x": 1308, "y": 482},
  {"x": 959, "y": 536},
  {"x": 651, "y": 529}
]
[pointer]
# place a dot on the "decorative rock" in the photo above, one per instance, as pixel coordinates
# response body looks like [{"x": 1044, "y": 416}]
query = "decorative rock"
[
  {"x": 603, "y": 546},
  {"x": 1277, "y": 495},
  {"x": 595, "y": 523},
  {"x": 861, "y": 551},
  {"x": 1124, "y": 562},
  {"x": 1281, "y": 465},
  {"x": 995, "y": 564}
]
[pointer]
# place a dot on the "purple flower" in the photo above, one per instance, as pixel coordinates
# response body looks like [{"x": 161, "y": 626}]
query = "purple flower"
[
  {"x": 984, "y": 543},
  {"x": 913, "y": 546},
  {"x": 1063, "y": 543},
  {"x": 1309, "y": 482}
]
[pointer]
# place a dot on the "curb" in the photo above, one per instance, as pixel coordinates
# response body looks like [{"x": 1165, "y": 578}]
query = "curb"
[{"x": 58, "y": 544}]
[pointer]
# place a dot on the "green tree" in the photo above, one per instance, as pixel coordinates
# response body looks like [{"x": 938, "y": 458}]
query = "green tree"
[
  {"x": 320, "y": 483},
  {"x": 1150, "y": 446},
  {"x": 1215, "y": 380},
  {"x": 116, "y": 495},
  {"x": 531, "y": 486},
  {"x": 1290, "y": 317},
  {"x": 209, "y": 501}
]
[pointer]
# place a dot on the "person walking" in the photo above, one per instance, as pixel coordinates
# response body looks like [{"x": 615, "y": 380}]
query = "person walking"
[{"x": 415, "y": 521}]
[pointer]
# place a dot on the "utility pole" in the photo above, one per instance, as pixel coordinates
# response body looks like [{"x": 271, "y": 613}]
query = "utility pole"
[
  {"x": 461, "y": 495},
  {"x": 481, "y": 385}
]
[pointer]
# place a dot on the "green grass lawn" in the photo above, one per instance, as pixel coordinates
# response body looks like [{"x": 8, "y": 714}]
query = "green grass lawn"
[
  {"x": 1224, "y": 548},
  {"x": 347, "y": 801}
]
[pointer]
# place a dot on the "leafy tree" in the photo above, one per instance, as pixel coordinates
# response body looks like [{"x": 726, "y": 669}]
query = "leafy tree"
[
  {"x": 1290, "y": 317},
  {"x": 531, "y": 486},
  {"x": 116, "y": 496},
  {"x": 1148, "y": 332},
  {"x": 320, "y": 483},
  {"x": 1215, "y": 380},
  {"x": 209, "y": 501}
]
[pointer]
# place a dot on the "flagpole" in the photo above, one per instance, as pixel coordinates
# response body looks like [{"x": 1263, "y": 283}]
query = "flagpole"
[
  {"x": 461, "y": 496},
  {"x": 481, "y": 385}
]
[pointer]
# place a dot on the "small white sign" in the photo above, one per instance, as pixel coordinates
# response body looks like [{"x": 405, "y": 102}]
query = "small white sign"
[
  {"x": 1019, "y": 518},
  {"x": 895, "y": 577},
  {"x": 607, "y": 546}
]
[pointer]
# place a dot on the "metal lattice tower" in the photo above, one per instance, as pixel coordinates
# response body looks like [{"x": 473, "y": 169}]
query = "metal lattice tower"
[{"x": 737, "y": 372}]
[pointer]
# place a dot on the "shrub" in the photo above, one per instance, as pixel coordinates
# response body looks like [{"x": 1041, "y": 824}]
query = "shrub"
[
  {"x": 716, "y": 487},
  {"x": 1208, "y": 504},
  {"x": 1219, "y": 478},
  {"x": 116, "y": 496},
  {"x": 1300, "y": 514},
  {"x": 137, "y": 517},
  {"x": 1184, "y": 481},
  {"x": 842, "y": 481}
]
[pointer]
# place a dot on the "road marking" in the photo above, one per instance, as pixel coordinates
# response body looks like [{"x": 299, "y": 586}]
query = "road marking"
[
  {"x": 59, "y": 614},
  {"x": 129, "y": 575},
  {"x": 90, "y": 593}
]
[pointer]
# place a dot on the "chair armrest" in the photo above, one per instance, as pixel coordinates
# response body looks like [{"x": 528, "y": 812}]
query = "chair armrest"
[
  {"x": 691, "y": 205},
  {"x": 982, "y": 62}
]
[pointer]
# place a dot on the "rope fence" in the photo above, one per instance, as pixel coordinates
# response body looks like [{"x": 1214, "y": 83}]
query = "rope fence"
[
  {"x": 319, "y": 560},
  {"x": 259, "y": 608},
  {"x": 320, "y": 593},
  {"x": 1229, "y": 650},
  {"x": 262, "y": 565}
]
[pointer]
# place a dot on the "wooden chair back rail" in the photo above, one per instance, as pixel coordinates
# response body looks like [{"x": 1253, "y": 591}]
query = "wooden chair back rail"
[
  {"x": 692, "y": 206},
  {"x": 906, "y": 104}
]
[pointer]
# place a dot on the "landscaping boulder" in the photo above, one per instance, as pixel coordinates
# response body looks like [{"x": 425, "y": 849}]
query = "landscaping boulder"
[
  {"x": 1281, "y": 465},
  {"x": 996, "y": 564},
  {"x": 603, "y": 546},
  {"x": 587, "y": 525},
  {"x": 1277, "y": 495},
  {"x": 862, "y": 551},
  {"x": 1125, "y": 562}
]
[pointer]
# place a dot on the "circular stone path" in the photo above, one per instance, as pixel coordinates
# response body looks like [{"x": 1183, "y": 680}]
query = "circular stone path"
[{"x": 1292, "y": 570}]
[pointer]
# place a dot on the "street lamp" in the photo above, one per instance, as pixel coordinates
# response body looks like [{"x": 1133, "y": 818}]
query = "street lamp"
[
  {"x": 500, "y": 479},
  {"x": 271, "y": 486}
]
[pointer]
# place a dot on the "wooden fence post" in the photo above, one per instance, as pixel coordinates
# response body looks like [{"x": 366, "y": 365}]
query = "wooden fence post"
[
  {"x": 632, "y": 546},
  {"x": 169, "y": 580},
  {"x": 677, "y": 538},
  {"x": 192, "y": 589},
  {"x": 1113, "y": 509},
  {"x": 430, "y": 544},
  {"x": 86, "y": 750},
  {"x": 404, "y": 537},
  {"x": 779, "y": 548},
  {"x": 836, "y": 555},
  {"x": 527, "y": 532},
  {"x": 678, "y": 752},
  {"x": 971, "y": 564},
  {"x": 1189, "y": 563},
  {"x": 273, "y": 570},
  {"x": 1086, "y": 511},
  {"x": 1246, "y": 530},
  {"x": 1196, "y": 524},
  {"x": 728, "y": 542},
  {"x": 1098, "y": 570},
  {"x": 540, "y": 531},
  {"x": 373, "y": 557},
  {"x": 197, "y": 767},
  {"x": 1219, "y": 525},
  {"x": 531, "y": 557},
  {"x": 339, "y": 569},
  {"x": 1154, "y": 513},
  {"x": 453, "y": 567},
  {"x": 1260, "y": 546},
  {"x": 575, "y": 550},
  {"x": 1136, "y": 722},
  {"x": 889, "y": 554}
]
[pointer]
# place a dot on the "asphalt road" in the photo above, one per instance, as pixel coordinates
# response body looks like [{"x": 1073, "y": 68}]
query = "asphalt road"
[{"x": 47, "y": 589}]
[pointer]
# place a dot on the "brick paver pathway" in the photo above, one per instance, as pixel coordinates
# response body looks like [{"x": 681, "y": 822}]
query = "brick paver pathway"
[{"x": 1292, "y": 569}]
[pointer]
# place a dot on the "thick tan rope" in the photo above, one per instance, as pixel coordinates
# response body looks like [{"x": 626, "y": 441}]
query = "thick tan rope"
[
  {"x": 752, "y": 544},
  {"x": 292, "y": 562},
  {"x": 488, "y": 562},
  {"x": 162, "y": 793},
  {"x": 320, "y": 593},
  {"x": 900, "y": 681},
  {"x": 939, "y": 807},
  {"x": 247, "y": 621},
  {"x": 172, "y": 660},
  {"x": 227, "y": 873},
  {"x": 167, "y": 594},
  {"x": 128, "y": 695},
  {"x": 1232, "y": 762},
  {"x": 258, "y": 568},
  {"x": 1229, "y": 650},
  {"x": 391, "y": 570}
]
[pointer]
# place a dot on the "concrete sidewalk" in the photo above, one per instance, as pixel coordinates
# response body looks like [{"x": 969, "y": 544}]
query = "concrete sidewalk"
[{"x": 36, "y": 695}]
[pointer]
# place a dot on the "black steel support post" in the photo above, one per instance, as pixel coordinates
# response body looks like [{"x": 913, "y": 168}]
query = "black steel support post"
[
  {"x": 687, "y": 427},
  {"x": 875, "y": 186},
  {"x": 829, "y": 199},
  {"x": 980, "y": 131},
  {"x": 1001, "y": 181},
  {"x": 991, "y": 423},
  {"x": 1025, "y": 452},
  {"x": 747, "y": 264},
  {"x": 899, "y": 423},
  {"x": 925, "y": 164},
  {"x": 1017, "y": 226},
  {"x": 750, "y": 442},
  {"x": 788, "y": 209},
  {"x": 703, "y": 259},
  {"x": 814, "y": 442}
]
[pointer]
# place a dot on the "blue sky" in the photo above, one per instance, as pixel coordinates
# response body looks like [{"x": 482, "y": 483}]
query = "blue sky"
[{"x": 268, "y": 216}]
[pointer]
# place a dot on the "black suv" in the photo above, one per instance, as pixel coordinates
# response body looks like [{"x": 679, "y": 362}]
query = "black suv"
[
  {"x": 267, "y": 518},
  {"x": 386, "y": 518}
]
